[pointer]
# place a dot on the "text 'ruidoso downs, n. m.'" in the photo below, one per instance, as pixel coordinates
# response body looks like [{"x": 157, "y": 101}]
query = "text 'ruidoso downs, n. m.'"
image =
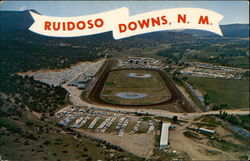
[{"x": 122, "y": 25}]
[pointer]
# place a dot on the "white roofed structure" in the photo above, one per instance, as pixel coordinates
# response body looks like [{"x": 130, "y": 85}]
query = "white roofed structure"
[{"x": 164, "y": 135}]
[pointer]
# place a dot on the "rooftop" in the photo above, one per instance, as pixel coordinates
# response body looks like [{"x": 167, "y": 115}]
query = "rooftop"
[{"x": 164, "y": 134}]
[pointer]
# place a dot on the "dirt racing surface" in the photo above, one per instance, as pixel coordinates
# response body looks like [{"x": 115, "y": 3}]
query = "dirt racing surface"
[{"x": 176, "y": 96}]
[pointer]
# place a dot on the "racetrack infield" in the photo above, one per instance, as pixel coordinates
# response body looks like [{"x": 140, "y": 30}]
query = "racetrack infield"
[
  {"x": 134, "y": 87},
  {"x": 177, "y": 97}
]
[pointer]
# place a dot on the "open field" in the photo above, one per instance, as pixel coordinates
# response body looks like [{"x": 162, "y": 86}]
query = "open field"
[
  {"x": 139, "y": 144},
  {"x": 135, "y": 83},
  {"x": 235, "y": 93}
]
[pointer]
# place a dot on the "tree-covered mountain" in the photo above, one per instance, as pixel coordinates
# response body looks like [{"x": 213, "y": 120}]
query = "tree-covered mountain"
[
  {"x": 31, "y": 51},
  {"x": 235, "y": 30},
  {"x": 15, "y": 20},
  {"x": 231, "y": 30}
]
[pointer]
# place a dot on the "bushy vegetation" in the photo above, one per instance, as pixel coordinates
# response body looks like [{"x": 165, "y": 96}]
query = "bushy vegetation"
[
  {"x": 219, "y": 107},
  {"x": 224, "y": 145},
  {"x": 175, "y": 52},
  {"x": 178, "y": 78},
  {"x": 225, "y": 52},
  {"x": 19, "y": 56},
  {"x": 242, "y": 121},
  {"x": 226, "y": 55},
  {"x": 28, "y": 93},
  {"x": 10, "y": 125},
  {"x": 44, "y": 141}
]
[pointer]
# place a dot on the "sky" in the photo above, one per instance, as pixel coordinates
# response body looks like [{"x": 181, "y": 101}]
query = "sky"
[{"x": 233, "y": 11}]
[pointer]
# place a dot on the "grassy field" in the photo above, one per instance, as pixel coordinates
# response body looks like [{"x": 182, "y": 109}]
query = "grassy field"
[
  {"x": 234, "y": 93},
  {"x": 118, "y": 82}
]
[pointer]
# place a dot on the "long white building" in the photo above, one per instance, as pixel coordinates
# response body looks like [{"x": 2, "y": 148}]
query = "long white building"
[{"x": 164, "y": 135}]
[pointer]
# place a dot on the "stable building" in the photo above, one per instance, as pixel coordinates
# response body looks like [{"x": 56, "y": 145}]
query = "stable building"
[{"x": 164, "y": 135}]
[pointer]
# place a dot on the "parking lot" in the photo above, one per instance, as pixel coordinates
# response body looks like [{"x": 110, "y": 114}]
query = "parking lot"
[{"x": 100, "y": 121}]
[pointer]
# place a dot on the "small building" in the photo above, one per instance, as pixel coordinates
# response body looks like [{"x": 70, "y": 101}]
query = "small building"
[
  {"x": 206, "y": 130},
  {"x": 164, "y": 135},
  {"x": 82, "y": 86}
]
